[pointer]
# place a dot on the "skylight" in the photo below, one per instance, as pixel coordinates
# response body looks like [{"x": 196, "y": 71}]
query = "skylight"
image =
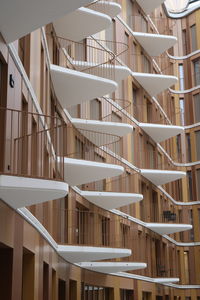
[{"x": 176, "y": 5}]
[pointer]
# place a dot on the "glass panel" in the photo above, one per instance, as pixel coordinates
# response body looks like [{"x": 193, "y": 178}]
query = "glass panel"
[
  {"x": 197, "y": 72},
  {"x": 198, "y": 184},
  {"x": 95, "y": 109},
  {"x": 190, "y": 194},
  {"x": 193, "y": 37},
  {"x": 181, "y": 77},
  {"x": 182, "y": 111},
  {"x": 197, "y": 135},
  {"x": 196, "y": 99}
]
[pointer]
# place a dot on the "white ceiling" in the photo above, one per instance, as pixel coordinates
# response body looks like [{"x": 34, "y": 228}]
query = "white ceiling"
[
  {"x": 73, "y": 87},
  {"x": 111, "y": 267},
  {"x": 149, "y": 5},
  {"x": 109, "y": 200},
  {"x": 104, "y": 132},
  {"x": 79, "y": 171},
  {"x": 159, "y": 177},
  {"x": 19, "y": 191},
  {"x": 162, "y": 228},
  {"x": 112, "y": 9},
  {"x": 84, "y": 253},
  {"x": 155, "y": 44},
  {"x": 159, "y": 132},
  {"x": 176, "y": 5},
  {"x": 81, "y": 23},
  {"x": 20, "y": 17},
  {"x": 154, "y": 83}
]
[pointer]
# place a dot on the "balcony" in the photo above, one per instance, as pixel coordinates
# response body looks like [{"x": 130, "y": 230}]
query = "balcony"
[
  {"x": 111, "y": 200},
  {"x": 79, "y": 171},
  {"x": 112, "y": 267},
  {"x": 163, "y": 229},
  {"x": 160, "y": 177},
  {"x": 76, "y": 80},
  {"x": 154, "y": 83},
  {"x": 155, "y": 44},
  {"x": 120, "y": 72},
  {"x": 104, "y": 132},
  {"x": 29, "y": 170},
  {"x": 34, "y": 15},
  {"x": 110, "y": 8},
  {"x": 22, "y": 191},
  {"x": 159, "y": 280},
  {"x": 101, "y": 57},
  {"x": 75, "y": 254},
  {"x": 149, "y": 6},
  {"x": 159, "y": 132},
  {"x": 81, "y": 23},
  {"x": 73, "y": 87}
]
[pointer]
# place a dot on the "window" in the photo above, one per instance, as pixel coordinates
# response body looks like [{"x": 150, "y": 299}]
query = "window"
[
  {"x": 89, "y": 292},
  {"x": 142, "y": 209},
  {"x": 126, "y": 294},
  {"x": 95, "y": 110},
  {"x": 140, "y": 144},
  {"x": 196, "y": 65},
  {"x": 100, "y": 184},
  {"x": 129, "y": 12},
  {"x": 186, "y": 264},
  {"x": 179, "y": 190},
  {"x": 24, "y": 52},
  {"x": 134, "y": 57},
  {"x": 189, "y": 178},
  {"x": 154, "y": 207},
  {"x": 81, "y": 225},
  {"x": 191, "y": 232},
  {"x": 193, "y": 38},
  {"x": 181, "y": 77},
  {"x": 45, "y": 281},
  {"x": 72, "y": 289},
  {"x": 146, "y": 66},
  {"x": 180, "y": 218},
  {"x": 196, "y": 99},
  {"x": 43, "y": 80},
  {"x": 178, "y": 144},
  {"x": 159, "y": 164},
  {"x": 188, "y": 145},
  {"x": 6, "y": 271},
  {"x": 125, "y": 235},
  {"x": 79, "y": 146},
  {"x": 74, "y": 111},
  {"x": 149, "y": 111},
  {"x": 115, "y": 117},
  {"x": 182, "y": 111},
  {"x": 105, "y": 231},
  {"x": 134, "y": 101},
  {"x": 143, "y": 24},
  {"x": 61, "y": 289},
  {"x": 132, "y": 146},
  {"x": 110, "y": 35},
  {"x": 184, "y": 41},
  {"x": 151, "y": 156},
  {"x": 197, "y": 135},
  {"x": 198, "y": 184},
  {"x": 146, "y": 296}
]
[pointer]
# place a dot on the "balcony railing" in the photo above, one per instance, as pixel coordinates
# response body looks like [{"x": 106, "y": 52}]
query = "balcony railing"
[
  {"x": 155, "y": 25},
  {"x": 82, "y": 227},
  {"x": 93, "y": 56},
  {"x": 31, "y": 144}
]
